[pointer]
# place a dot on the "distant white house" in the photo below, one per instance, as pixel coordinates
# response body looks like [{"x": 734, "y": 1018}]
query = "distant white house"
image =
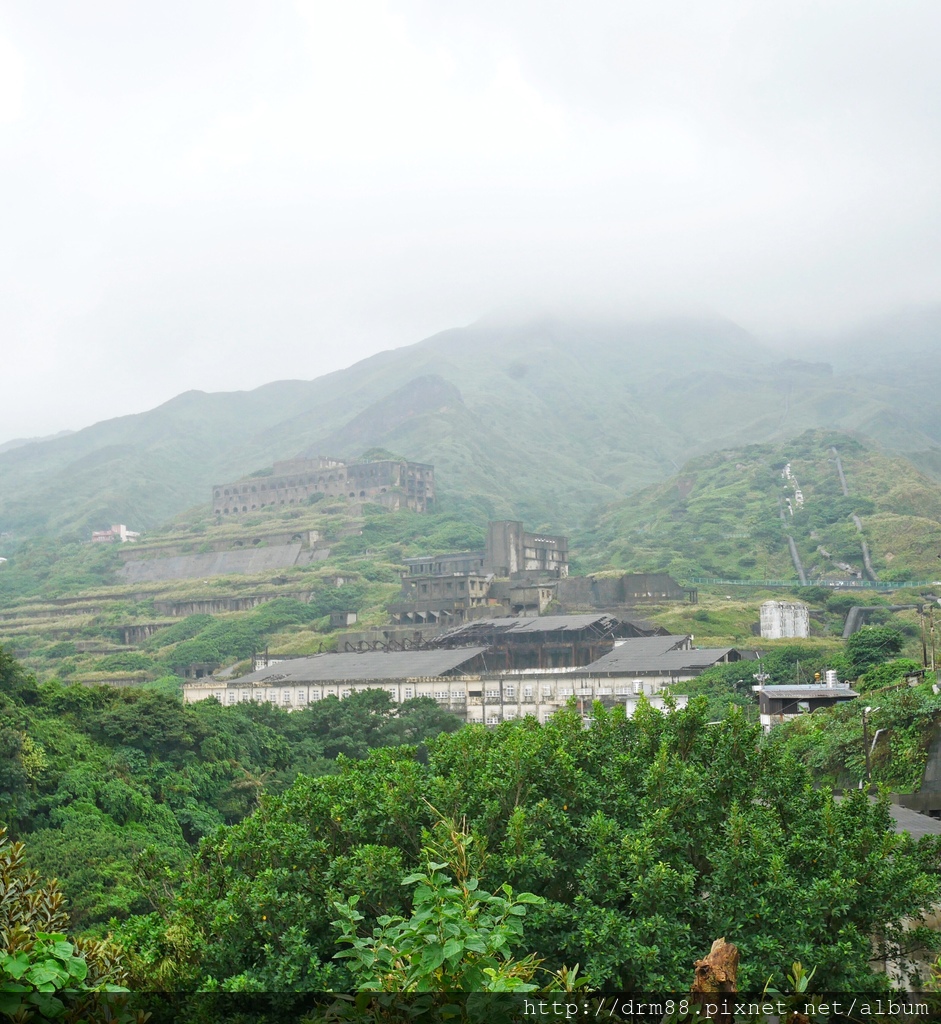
[{"x": 118, "y": 534}]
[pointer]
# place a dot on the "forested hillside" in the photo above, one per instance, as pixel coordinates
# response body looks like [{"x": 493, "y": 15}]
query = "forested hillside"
[
  {"x": 540, "y": 420},
  {"x": 645, "y": 839},
  {"x": 111, "y": 789}
]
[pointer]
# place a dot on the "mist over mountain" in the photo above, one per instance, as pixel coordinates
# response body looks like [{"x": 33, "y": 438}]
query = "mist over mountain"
[{"x": 542, "y": 418}]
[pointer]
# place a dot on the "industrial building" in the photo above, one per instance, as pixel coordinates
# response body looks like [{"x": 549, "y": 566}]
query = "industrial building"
[
  {"x": 473, "y": 680},
  {"x": 780, "y": 619}
]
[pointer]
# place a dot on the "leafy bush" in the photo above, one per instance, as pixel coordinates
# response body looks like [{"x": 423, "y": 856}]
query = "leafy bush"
[
  {"x": 36, "y": 964},
  {"x": 458, "y": 938}
]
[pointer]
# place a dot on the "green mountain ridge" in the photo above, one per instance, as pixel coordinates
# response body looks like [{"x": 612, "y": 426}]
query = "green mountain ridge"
[{"x": 555, "y": 417}]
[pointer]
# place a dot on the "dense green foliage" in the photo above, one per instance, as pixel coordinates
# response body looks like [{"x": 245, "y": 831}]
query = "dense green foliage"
[
  {"x": 870, "y": 646},
  {"x": 646, "y": 838},
  {"x": 458, "y": 938},
  {"x": 831, "y": 742},
  {"x": 38, "y": 963},
  {"x": 112, "y": 787},
  {"x": 53, "y": 567}
]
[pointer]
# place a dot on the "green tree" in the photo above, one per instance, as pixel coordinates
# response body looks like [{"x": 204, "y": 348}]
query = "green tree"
[
  {"x": 646, "y": 838},
  {"x": 872, "y": 645},
  {"x": 37, "y": 960}
]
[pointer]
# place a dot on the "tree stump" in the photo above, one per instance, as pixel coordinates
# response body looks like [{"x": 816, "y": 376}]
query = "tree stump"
[{"x": 714, "y": 977}]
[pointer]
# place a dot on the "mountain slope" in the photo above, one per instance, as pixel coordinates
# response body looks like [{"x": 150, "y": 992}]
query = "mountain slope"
[
  {"x": 541, "y": 420},
  {"x": 729, "y": 515}
]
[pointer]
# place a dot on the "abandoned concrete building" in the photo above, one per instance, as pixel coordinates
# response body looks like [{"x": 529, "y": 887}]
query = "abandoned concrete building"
[
  {"x": 509, "y": 551},
  {"x": 517, "y": 573},
  {"x": 393, "y": 483},
  {"x": 516, "y": 643},
  {"x": 453, "y": 588},
  {"x": 612, "y": 591},
  {"x": 471, "y": 681}
]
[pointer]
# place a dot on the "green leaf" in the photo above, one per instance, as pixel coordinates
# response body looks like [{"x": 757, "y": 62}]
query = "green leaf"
[
  {"x": 42, "y": 974},
  {"x": 433, "y": 957},
  {"x": 17, "y": 966},
  {"x": 77, "y": 968},
  {"x": 453, "y": 947}
]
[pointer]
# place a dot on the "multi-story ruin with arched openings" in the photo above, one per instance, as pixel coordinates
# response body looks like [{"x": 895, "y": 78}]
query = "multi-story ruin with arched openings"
[{"x": 394, "y": 483}]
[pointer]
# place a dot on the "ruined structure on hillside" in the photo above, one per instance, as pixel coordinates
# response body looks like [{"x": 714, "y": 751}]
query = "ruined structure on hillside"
[
  {"x": 784, "y": 619},
  {"x": 514, "y": 574},
  {"x": 517, "y": 573},
  {"x": 509, "y": 551},
  {"x": 394, "y": 483}
]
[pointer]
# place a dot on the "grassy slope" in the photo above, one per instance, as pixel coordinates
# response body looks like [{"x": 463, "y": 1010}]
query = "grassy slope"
[
  {"x": 720, "y": 516},
  {"x": 366, "y": 544}
]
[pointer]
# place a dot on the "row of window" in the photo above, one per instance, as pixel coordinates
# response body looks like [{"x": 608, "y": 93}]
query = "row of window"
[
  {"x": 225, "y": 511},
  {"x": 453, "y": 585},
  {"x": 304, "y": 695},
  {"x": 319, "y": 481}
]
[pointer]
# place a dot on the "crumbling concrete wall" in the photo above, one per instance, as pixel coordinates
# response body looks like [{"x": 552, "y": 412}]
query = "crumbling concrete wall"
[
  {"x": 781, "y": 619},
  {"x": 215, "y": 563}
]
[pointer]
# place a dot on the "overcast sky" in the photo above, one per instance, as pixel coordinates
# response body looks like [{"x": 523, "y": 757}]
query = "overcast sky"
[{"x": 214, "y": 194}]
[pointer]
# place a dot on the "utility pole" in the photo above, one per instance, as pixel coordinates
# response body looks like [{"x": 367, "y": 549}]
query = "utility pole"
[
  {"x": 866, "y": 745},
  {"x": 931, "y": 630},
  {"x": 867, "y": 711}
]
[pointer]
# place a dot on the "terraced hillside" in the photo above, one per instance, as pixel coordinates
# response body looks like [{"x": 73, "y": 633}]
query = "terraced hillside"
[
  {"x": 207, "y": 592},
  {"x": 204, "y": 592}
]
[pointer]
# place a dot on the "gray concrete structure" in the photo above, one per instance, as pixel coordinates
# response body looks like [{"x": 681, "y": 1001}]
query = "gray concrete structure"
[
  {"x": 781, "y": 619},
  {"x": 511, "y": 550},
  {"x": 394, "y": 483},
  {"x": 215, "y": 563}
]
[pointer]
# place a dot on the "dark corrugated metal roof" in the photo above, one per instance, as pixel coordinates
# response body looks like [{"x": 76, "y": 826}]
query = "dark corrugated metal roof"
[
  {"x": 683, "y": 661},
  {"x": 356, "y": 667},
  {"x": 631, "y": 654},
  {"x": 517, "y": 624}
]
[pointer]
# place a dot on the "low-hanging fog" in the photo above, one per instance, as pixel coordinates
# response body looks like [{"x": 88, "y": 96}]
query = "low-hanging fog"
[{"x": 214, "y": 195}]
